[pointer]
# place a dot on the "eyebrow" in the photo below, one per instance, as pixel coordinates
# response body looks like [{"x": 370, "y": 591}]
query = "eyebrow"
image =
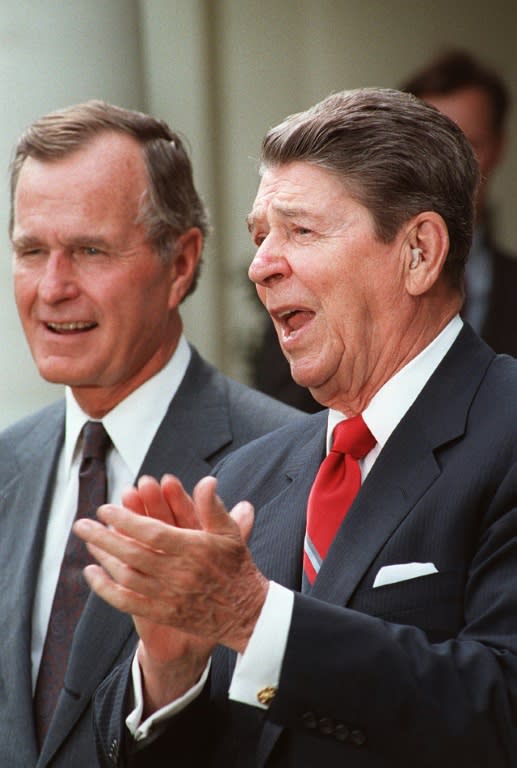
[
  {"x": 287, "y": 211},
  {"x": 27, "y": 241},
  {"x": 24, "y": 241}
]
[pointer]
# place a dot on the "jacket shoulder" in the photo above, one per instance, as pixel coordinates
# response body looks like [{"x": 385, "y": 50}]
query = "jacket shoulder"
[
  {"x": 37, "y": 427},
  {"x": 250, "y": 412}
]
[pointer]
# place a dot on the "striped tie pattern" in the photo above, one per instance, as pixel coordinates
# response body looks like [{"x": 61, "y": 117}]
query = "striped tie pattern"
[{"x": 334, "y": 489}]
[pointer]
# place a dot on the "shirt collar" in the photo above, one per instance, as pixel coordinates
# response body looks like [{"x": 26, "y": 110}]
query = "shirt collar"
[
  {"x": 390, "y": 404},
  {"x": 133, "y": 423}
]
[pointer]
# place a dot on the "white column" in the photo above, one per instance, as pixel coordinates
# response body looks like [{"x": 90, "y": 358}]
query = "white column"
[{"x": 178, "y": 44}]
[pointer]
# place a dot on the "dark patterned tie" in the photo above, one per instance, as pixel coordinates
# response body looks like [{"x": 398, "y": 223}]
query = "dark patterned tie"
[
  {"x": 333, "y": 491},
  {"x": 72, "y": 590}
]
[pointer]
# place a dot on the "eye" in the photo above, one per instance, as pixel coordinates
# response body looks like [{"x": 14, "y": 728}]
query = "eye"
[
  {"x": 302, "y": 231},
  {"x": 27, "y": 253},
  {"x": 91, "y": 250},
  {"x": 258, "y": 239}
]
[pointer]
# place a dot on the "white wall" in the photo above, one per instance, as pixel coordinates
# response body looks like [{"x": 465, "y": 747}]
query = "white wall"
[
  {"x": 221, "y": 72},
  {"x": 179, "y": 86}
]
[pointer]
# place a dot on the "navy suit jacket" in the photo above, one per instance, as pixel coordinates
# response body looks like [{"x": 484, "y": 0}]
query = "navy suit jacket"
[
  {"x": 421, "y": 672},
  {"x": 209, "y": 417}
]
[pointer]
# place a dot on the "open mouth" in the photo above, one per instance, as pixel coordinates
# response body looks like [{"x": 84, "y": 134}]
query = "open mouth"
[
  {"x": 294, "y": 319},
  {"x": 71, "y": 327}
]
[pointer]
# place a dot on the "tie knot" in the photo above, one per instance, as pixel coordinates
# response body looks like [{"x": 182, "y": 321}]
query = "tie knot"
[
  {"x": 95, "y": 440},
  {"x": 352, "y": 436}
]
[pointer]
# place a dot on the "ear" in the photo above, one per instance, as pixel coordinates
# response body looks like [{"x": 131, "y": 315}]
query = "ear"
[
  {"x": 185, "y": 261},
  {"x": 425, "y": 252}
]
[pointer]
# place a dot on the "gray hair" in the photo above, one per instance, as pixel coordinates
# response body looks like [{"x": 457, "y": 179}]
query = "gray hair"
[{"x": 171, "y": 204}]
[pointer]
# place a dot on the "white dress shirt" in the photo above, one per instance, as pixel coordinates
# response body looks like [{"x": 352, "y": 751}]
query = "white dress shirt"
[
  {"x": 260, "y": 665},
  {"x": 131, "y": 425}
]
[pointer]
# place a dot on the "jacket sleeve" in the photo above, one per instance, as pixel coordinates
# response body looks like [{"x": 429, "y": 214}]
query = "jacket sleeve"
[{"x": 186, "y": 739}]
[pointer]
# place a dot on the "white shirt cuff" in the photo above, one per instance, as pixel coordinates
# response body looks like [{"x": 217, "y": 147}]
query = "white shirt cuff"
[
  {"x": 140, "y": 730},
  {"x": 257, "y": 670}
]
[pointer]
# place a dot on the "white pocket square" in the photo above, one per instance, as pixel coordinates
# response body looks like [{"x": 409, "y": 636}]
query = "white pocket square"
[{"x": 391, "y": 574}]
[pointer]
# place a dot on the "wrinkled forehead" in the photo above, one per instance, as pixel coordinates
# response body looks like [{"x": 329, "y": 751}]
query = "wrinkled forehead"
[{"x": 296, "y": 188}]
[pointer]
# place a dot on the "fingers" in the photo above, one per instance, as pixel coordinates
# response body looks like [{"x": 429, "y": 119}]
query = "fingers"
[
  {"x": 213, "y": 513},
  {"x": 166, "y": 501},
  {"x": 179, "y": 502},
  {"x": 115, "y": 594},
  {"x": 148, "y": 499},
  {"x": 131, "y": 535},
  {"x": 131, "y": 500},
  {"x": 244, "y": 515},
  {"x": 211, "y": 510},
  {"x": 153, "y": 500},
  {"x": 128, "y": 536},
  {"x": 124, "y": 575}
]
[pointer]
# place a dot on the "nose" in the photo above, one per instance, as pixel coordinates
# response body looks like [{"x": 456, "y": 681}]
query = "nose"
[
  {"x": 57, "y": 282},
  {"x": 268, "y": 265}
]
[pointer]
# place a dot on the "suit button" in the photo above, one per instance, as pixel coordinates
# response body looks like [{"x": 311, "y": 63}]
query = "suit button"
[
  {"x": 357, "y": 737},
  {"x": 326, "y": 725},
  {"x": 113, "y": 751},
  {"x": 341, "y": 732},
  {"x": 309, "y": 720}
]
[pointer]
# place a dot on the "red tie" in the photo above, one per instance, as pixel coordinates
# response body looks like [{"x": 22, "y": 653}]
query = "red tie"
[
  {"x": 71, "y": 590},
  {"x": 334, "y": 489}
]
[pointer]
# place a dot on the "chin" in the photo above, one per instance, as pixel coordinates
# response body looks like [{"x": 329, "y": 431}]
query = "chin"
[
  {"x": 305, "y": 377},
  {"x": 60, "y": 375},
  {"x": 54, "y": 378}
]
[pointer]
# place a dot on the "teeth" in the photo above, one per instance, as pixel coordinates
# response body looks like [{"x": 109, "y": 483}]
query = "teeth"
[
  {"x": 79, "y": 326},
  {"x": 285, "y": 315}
]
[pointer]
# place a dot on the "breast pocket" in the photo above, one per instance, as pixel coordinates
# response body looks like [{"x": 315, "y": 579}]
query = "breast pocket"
[{"x": 434, "y": 603}]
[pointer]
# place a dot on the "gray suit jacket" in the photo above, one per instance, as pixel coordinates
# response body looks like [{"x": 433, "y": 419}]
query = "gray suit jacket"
[{"x": 209, "y": 417}]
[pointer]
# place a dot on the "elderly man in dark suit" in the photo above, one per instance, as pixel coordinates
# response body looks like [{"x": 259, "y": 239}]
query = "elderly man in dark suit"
[
  {"x": 365, "y": 614},
  {"x": 107, "y": 230}
]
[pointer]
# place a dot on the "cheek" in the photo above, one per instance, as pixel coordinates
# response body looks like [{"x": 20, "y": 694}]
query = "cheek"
[
  {"x": 347, "y": 319},
  {"x": 24, "y": 293}
]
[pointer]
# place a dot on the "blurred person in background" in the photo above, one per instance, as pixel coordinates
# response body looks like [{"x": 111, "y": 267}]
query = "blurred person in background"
[{"x": 477, "y": 99}]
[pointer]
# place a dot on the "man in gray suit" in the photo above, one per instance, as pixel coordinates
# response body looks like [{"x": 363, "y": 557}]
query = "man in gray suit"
[{"x": 107, "y": 231}]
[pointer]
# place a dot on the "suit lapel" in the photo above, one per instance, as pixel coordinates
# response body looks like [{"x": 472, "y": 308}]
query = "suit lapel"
[
  {"x": 277, "y": 538},
  {"x": 195, "y": 428},
  {"x": 24, "y": 505}
]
